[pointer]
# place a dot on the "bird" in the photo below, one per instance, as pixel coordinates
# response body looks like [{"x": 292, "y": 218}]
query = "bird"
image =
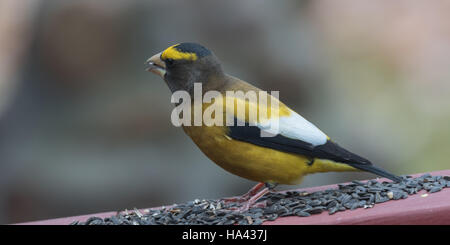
[{"x": 295, "y": 149}]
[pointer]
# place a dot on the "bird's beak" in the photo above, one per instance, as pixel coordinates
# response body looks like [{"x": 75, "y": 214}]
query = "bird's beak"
[{"x": 156, "y": 65}]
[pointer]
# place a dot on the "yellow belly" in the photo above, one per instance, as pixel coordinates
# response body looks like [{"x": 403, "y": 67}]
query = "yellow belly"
[{"x": 254, "y": 162}]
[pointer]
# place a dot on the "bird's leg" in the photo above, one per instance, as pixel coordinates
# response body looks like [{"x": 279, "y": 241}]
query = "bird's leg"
[
  {"x": 254, "y": 190},
  {"x": 252, "y": 201}
]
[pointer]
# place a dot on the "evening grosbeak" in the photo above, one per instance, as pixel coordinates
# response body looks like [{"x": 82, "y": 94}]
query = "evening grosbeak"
[{"x": 296, "y": 148}]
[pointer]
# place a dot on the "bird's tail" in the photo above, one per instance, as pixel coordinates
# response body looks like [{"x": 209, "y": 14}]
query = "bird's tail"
[
  {"x": 333, "y": 151},
  {"x": 377, "y": 171}
]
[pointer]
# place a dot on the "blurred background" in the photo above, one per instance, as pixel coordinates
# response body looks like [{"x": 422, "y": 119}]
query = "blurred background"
[{"x": 85, "y": 129}]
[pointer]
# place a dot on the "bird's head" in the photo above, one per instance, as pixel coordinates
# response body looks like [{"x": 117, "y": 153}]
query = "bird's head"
[{"x": 183, "y": 64}]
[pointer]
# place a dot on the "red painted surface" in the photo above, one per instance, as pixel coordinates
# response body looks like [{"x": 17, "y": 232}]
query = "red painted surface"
[{"x": 416, "y": 209}]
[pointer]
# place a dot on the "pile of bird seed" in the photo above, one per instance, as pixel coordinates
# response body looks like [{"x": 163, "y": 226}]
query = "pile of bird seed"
[{"x": 279, "y": 204}]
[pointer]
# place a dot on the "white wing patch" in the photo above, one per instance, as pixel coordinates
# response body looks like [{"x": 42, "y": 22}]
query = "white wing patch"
[{"x": 295, "y": 126}]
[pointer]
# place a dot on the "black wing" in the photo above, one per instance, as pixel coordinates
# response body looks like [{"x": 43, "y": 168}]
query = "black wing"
[{"x": 329, "y": 150}]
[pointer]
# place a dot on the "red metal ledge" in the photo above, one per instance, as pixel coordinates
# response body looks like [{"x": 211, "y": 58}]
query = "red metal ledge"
[{"x": 421, "y": 208}]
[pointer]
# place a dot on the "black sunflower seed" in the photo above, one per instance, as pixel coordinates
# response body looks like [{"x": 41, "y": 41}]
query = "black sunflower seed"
[
  {"x": 333, "y": 210},
  {"x": 435, "y": 189},
  {"x": 303, "y": 214},
  {"x": 292, "y": 203}
]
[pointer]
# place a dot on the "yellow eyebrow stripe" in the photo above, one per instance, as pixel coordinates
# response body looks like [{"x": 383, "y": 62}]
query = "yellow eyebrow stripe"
[{"x": 173, "y": 53}]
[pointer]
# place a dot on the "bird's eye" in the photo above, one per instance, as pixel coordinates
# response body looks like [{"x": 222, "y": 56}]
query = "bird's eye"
[{"x": 169, "y": 62}]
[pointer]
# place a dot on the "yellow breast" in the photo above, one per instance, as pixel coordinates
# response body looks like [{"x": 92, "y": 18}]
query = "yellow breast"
[{"x": 254, "y": 162}]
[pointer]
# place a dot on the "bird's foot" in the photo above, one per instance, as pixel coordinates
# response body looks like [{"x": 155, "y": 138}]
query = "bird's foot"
[
  {"x": 252, "y": 202},
  {"x": 246, "y": 197}
]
